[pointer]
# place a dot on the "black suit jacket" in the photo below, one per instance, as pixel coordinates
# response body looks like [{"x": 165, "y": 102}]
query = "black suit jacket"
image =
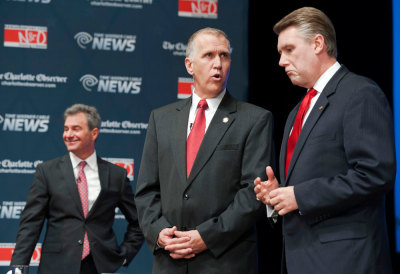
[
  {"x": 218, "y": 198},
  {"x": 54, "y": 196},
  {"x": 342, "y": 165}
]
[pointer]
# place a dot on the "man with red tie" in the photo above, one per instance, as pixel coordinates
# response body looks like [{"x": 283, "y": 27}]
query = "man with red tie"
[
  {"x": 77, "y": 194},
  {"x": 194, "y": 194},
  {"x": 337, "y": 158}
]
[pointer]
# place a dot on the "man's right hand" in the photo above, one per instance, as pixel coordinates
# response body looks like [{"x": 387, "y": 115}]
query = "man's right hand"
[
  {"x": 180, "y": 246},
  {"x": 263, "y": 188}
]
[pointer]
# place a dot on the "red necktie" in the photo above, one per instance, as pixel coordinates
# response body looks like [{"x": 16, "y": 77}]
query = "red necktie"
[
  {"x": 196, "y": 135},
  {"x": 305, "y": 104},
  {"x": 83, "y": 193}
]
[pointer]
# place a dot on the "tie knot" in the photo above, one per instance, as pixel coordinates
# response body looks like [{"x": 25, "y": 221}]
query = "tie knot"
[
  {"x": 82, "y": 164},
  {"x": 312, "y": 92},
  {"x": 203, "y": 104}
]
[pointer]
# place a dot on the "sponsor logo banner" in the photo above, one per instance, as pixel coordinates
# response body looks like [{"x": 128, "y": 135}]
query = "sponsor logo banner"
[
  {"x": 20, "y": 36},
  {"x": 106, "y": 41},
  {"x": 178, "y": 49},
  {"x": 130, "y": 4},
  {"x": 112, "y": 84},
  {"x": 11, "y": 210},
  {"x": 185, "y": 87},
  {"x": 198, "y": 8},
  {"x": 39, "y": 80},
  {"x": 32, "y": 1},
  {"x": 7, "y": 249},
  {"x": 126, "y": 163},
  {"x": 25, "y": 122},
  {"x": 123, "y": 127},
  {"x": 18, "y": 166}
]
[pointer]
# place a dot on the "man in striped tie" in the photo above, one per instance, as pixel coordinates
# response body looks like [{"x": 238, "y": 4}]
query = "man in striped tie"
[{"x": 77, "y": 194}]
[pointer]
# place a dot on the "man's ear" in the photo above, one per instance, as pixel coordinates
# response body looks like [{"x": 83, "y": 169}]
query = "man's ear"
[
  {"x": 319, "y": 44},
  {"x": 94, "y": 133},
  {"x": 189, "y": 65}
]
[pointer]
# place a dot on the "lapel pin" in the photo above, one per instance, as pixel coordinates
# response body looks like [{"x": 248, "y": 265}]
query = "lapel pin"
[
  {"x": 321, "y": 108},
  {"x": 225, "y": 120}
]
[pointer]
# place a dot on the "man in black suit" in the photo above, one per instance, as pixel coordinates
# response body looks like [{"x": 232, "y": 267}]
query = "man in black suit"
[
  {"x": 337, "y": 157},
  {"x": 197, "y": 209},
  {"x": 77, "y": 194}
]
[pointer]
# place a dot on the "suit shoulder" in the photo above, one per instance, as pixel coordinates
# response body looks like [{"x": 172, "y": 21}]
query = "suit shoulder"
[
  {"x": 252, "y": 109},
  {"x": 170, "y": 107},
  {"x": 53, "y": 162},
  {"x": 111, "y": 166}
]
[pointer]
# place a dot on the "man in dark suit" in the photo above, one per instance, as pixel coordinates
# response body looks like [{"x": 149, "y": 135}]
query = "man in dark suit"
[
  {"x": 77, "y": 194},
  {"x": 197, "y": 209},
  {"x": 337, "y": 158}
]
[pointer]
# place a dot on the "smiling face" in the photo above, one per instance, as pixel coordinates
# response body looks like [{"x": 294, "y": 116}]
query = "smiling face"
[
  {"x": 299, "y": 57},
  {"x": 77, "y": 137},
  {"x": 209, "y": 64}
]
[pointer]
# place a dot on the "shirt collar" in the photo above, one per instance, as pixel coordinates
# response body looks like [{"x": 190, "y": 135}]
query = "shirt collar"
[
  {"x": 91, "y": 160},
  {"x": 325, "y": 77},
  {"x": 212, "y": 103}
]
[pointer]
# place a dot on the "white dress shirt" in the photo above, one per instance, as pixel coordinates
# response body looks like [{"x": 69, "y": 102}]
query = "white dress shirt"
[
  {"x": 92, "y": 175},
  {"x": 212, "y": 103}
]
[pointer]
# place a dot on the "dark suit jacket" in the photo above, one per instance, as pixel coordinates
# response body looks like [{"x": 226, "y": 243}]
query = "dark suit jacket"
[
  {"x": 218, "y": 198},
  {"x": 54, "y": 196},
  {"x": 342, "y": 165}
]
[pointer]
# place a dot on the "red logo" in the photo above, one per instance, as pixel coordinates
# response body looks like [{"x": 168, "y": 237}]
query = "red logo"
[
  {"x": 198, "y": 8},
  {"x": 185, "y": 86},
  {"x": 7, "y": 249},
  {"x": 25, "y": 36},
  {"x": 128, "y": 164}
]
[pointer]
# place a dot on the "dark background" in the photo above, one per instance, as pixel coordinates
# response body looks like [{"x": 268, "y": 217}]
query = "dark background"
[{"x": 364, "y": 40}]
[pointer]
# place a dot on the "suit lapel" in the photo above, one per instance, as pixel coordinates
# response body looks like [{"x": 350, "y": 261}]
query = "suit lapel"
[
  {"x": 216, "y": 130},
  {"x": 318, "y": 109},
  {"x": 179, "y": 137},
  {"x": 70, "y": 181}
]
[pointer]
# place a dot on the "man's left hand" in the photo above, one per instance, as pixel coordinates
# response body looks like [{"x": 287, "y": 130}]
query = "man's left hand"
[
  {"x": 283, "y": 200},
  {"x": 188, "y": 250}
]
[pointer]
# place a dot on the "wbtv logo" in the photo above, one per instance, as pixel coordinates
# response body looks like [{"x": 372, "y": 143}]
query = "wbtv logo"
[
  {"x": 19, "y": 36},
  {"x": 198, "y": 8}
]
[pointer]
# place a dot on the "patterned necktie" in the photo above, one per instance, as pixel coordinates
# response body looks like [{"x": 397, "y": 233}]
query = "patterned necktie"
[
  {"x": 305, "y": 104},
  {"x": 83, "y": 193},
  {"x": 196, "y": 135}
]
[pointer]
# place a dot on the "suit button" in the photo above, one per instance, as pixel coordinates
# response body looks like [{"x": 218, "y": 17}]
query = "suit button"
[
  {"x": 186, "y": 196},
  {"x": 80, "y": 242}
]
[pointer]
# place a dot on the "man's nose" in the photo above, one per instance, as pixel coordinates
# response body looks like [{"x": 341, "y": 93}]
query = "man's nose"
[
  {"x": 282, "y": 61},
  {"x": 217, "y": 62}
]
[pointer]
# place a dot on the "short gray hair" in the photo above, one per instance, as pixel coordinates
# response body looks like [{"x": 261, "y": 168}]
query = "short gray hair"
[
  {"x": 191, "y": 45},
  {"x": 92, "y": 115},
  {"x": 310, "y": 22}
]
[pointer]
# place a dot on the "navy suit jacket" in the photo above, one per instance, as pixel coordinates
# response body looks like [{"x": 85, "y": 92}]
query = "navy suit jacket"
[
  {"x": 341, "y": 168},
  {"x": 218, "y": 198},
  {"x": 54, "y": 196}
]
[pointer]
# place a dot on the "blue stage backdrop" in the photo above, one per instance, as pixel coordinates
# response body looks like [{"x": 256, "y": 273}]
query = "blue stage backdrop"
[{"x": 126, "y": 57}]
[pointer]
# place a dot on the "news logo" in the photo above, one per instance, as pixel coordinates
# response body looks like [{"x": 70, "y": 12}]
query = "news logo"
[
  {"x": 112, "y": 84},
  {"x": 25, "y": 122},
  {"x": 106, "y": 41},
  {"x": 126, "y": 163},
  {"x": 198, "y": 8},
  {"x": 7, "y": 249},
  {"x": 20, "y": 36},
  {"x": 185, "y": 87}
]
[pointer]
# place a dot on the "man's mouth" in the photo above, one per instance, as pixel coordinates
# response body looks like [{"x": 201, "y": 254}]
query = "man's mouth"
[{"x": 217, "y": 76}]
